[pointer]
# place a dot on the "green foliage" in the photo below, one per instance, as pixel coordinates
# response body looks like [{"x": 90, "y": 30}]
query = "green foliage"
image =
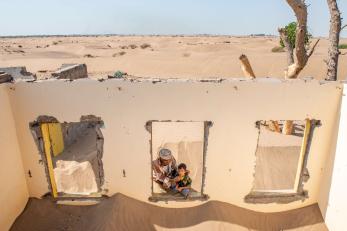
[
  {"x": 119, "y": 74},
  {"x": 343, "y": 46},
  {"x": 291, "y": 31}
]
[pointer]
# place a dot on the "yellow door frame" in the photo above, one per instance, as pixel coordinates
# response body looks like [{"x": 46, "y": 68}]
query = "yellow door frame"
[{"x": 53, "y": 145}]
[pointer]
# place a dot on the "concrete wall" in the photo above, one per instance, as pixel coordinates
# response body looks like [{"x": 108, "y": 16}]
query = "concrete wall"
[
  {"x": 13, "y": 187},
  {"x": 232, "y": 105},
  {"x": 333, "y": 203}
]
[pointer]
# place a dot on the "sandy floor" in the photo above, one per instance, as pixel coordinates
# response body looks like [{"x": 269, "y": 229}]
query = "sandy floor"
[
  {"x": 170, "y": 56},
  {"x": 123, "y": 213}
]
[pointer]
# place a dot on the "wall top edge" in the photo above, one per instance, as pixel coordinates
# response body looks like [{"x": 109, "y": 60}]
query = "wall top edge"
[{"x": 134, "y": 79}]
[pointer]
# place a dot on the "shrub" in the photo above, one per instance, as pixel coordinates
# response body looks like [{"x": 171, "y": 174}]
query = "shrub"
[
  {"x": 291, "y": 31},
  {"x": 145, "y": 45},
  {"x": 55, "y": 43},
  {"x": 132, "y": 46},
  {"x": 277, "y": 49},
  {"x": 119, "y": 74},
  {"x": 343, "y": 46},
  {"x": 121, "y": 53},
  {"x": 88, "y": 56}
]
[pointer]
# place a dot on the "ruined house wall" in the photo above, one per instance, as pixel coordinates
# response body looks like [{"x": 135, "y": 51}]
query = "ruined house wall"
[
  {"x": 332, "y": 200},
  {"x": 233, "y": 106},
  {"x": 13, "y": 187}
]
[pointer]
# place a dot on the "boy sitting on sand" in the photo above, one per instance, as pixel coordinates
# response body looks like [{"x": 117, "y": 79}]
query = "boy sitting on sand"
[{"x": 182, "y": 181}]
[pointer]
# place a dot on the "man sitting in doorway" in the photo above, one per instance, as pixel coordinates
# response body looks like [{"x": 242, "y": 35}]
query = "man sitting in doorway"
[{"x": 164, "y": 169}]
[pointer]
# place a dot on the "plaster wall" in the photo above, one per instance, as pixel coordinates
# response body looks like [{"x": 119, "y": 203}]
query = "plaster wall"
[
  {"x": 232, "y": 105},
  {"x": 334, "y": 204},
  {"x": 13, "y": 190}
]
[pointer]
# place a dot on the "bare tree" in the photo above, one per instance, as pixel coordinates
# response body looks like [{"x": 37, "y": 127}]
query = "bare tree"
[
  {"x": 334, "y": 38},
  {"x": 302, "y": 55}
]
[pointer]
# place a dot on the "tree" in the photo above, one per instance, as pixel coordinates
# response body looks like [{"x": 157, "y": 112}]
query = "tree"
[
  {"x": 334, "y": 39},
  {"x": 300, "y": 42},
  {"x": 301, "y": 52},
  {"x": 290, "y": 30}
]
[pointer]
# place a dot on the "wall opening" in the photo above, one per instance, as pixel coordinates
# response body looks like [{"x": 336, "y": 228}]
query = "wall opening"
[
  {"x": 280, "y": 167},
  {"x": 73, "y": 155},
  {"x": 187, "y": 143}
]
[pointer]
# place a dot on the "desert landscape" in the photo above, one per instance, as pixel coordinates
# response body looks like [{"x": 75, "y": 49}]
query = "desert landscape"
[{"x": 161, "y": 56}]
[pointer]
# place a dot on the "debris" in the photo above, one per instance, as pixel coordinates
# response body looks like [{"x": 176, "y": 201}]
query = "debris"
[
  {"x": 18, "y": 73},
  {"x": 71, "y": 71},
  {"x": 118, "y": 75},
  {"x": 4, "y": 77}
]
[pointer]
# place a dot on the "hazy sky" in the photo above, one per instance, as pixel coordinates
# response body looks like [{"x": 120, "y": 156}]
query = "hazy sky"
[{"x": 232, "y": 17}]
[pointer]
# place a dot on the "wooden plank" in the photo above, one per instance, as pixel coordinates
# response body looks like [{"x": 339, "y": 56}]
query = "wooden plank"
[
  {"x": 47, "y": 147},
  {"x": 302, "y": 152},
  {"x": 56, "y": 138}
]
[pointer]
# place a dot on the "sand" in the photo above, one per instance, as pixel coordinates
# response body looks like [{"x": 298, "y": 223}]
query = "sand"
[
  {"x": 166, "y": 57},
  {"x": 120, "y": 212},
  {"x": 278, "y": 158}
]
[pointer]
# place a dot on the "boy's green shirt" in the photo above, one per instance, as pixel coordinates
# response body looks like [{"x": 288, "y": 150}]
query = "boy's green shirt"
[{"x": 185, "y": 181}]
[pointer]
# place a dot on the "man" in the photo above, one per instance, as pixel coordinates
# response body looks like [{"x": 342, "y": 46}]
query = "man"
[{"x": 164, "y": 169}]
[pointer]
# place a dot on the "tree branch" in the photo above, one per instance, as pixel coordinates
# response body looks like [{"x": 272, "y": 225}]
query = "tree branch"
[
  {"x": 284, "y": 36},
  {"x": 312, "y": 49},
  {"x": 343, "y": 27}
]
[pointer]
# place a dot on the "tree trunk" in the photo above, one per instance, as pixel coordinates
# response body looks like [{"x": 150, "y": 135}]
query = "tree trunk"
[
  {"x": 288, "y": 126},
  {"x": 300, "y": 9},
  {"x": 334, "y": 39},
  {"x": 246, "y": 67},
  {"x": 274, "y": 126}
]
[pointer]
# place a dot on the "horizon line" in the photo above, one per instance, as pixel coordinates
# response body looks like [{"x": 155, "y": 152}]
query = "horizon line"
[{"x": 149, "y": 35}]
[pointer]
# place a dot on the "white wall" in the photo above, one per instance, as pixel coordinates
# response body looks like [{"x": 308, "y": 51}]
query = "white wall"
[
  {"x": 336, "y": 202},
  {"x": 233, "y": 106},
  {"x": 13, "y": 188}
]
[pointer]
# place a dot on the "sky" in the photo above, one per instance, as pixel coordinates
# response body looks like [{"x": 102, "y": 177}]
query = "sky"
[{"x": 220, "y": 17}]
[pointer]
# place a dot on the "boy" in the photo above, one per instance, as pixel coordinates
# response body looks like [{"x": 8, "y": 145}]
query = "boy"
[{"x": 183, "y": 181}]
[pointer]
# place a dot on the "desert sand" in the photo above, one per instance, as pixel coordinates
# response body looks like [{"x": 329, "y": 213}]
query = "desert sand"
[
  {"x": 120, "y": 212},
  {"x": 162, "y": 57}
]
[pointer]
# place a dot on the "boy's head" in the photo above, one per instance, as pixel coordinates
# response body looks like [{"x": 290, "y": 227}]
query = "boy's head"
[{"x": 182, "y": 169}]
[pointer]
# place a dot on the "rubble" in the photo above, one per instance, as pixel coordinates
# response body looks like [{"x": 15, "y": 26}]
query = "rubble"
[
  {"x": 71, "y": 71},
  {"x": 4, "y": 77},
  {"x": 18, "y": 73}
]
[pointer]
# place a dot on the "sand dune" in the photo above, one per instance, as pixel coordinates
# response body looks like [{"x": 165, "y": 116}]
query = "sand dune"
[
  {"x": 120, "y": 212},
  {"x": 167, "y": 56}
]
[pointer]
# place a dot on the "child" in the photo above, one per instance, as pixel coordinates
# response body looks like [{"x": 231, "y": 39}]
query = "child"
[{"x": 183, "y": 181}]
